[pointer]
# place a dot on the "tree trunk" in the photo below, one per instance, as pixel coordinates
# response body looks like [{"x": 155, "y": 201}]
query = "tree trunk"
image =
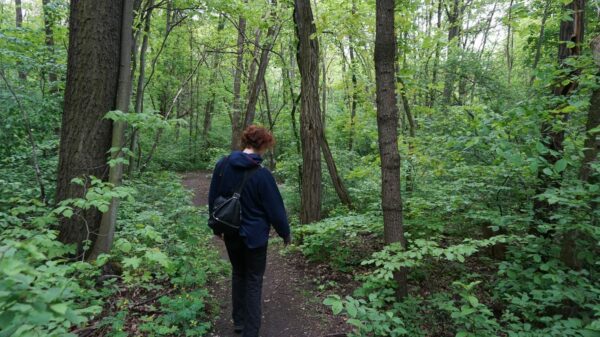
[
  {"x": 91, "y": 91},
  {"x": 354, "y": 96},
  {"x": 509, "y": 42},
  {"x": 210, "y": 105},
  {"x": 570, "y": 31},
  {"x": 19, "y": 24},
  {"x": 272, "y": 32},
  {"x": 387, "y": 126},
  {"x": 310, "y": 115},
  {"x": 591, "y": 148},
  {"x": 436, "y": 60},
  {"x": 455, "y": 25},
  {"x": 236, "y": 128},
  {"x": 49, "y": 40},
  {"x": 139, "y": 93},
  {"x": 106, "y": 232},
  {"x": 538, "y": 48}
]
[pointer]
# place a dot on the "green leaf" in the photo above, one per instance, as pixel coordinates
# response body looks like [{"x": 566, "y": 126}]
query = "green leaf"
[
  {"x": 59, "y": 308},
  {"x": 560, "y": 165},
  {"x": 337, "y": 307}
]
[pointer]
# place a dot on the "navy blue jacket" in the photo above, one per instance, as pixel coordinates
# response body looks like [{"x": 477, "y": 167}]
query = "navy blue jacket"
[{"x": 262, "y": 205}]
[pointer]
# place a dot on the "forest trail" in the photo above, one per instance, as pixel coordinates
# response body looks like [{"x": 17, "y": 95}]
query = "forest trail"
[{"x": 291, "y": 307}]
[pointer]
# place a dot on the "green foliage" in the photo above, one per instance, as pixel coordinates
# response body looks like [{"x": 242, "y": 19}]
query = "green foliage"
[
  {"x": 342, "y": 241},
  {"x": 39, "y": 291}
]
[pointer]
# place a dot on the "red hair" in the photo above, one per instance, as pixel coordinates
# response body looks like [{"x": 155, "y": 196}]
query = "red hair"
[{"x": 257, "y": 138}]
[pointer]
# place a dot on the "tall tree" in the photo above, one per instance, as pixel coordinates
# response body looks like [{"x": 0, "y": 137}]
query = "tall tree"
[
  {"x": 311, "y": 128},
  {"x": 590, "y": 155},
  {"x": 237, "y": 84},
  {"x": 19, "y": 24},
  {"x": 106, "y": 230},
  {"x": 139, "y": 93},
  {"x": 454, "y": 14},
  {"x": 571, "y": 39},
  {"x": 91, "y": 91},
  {"x": 387, "y": 126},
  {"x": 256, "y": 86},
  {"x": 49, "y": 40}
]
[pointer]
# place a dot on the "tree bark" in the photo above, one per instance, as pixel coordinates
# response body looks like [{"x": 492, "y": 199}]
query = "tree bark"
[
  {"x": 19, "y": 24},
  {"x": 49, "y": 40},
  {"x": 106, "y": 232},
  {"x": 538, "y": 48},
  {"x": 455, "y": 25},
  {"x": 387, "y": 126},
  {"x": 91, "y": 91},
  {"x": 139, "y": 93},
  {"x": 570, "y": 31},
  {"x": 591, "y": 147},
  {"x": 236, "y": 128},
  {"x": 310, "y": 115},
  {"x": 272, "y": 33}
]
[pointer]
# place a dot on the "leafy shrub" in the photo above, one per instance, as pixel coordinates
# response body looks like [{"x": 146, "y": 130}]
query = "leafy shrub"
[{"x": 342, "y": 241}]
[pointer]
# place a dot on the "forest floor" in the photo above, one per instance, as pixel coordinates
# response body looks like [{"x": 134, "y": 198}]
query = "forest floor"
[{"x": 292, "y": 304}]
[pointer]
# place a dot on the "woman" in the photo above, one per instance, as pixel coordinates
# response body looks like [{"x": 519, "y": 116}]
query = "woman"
[{"x": 262, "y": 206}]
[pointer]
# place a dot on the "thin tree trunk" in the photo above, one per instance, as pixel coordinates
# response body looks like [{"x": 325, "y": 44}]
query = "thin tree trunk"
[
  {"x": 49, "y": 40},
  {"x": 19, "y": 24},
  {"x": 237, "y": 83},
  {"x": 538, "y": 48},
  {"x": 338, "y": 183},
  {"x": 272, "y": 33},
  {"x": 387, "y": 126},
  {"x": 436, "y": 60},
  {"x": 139, "y": 94},
  {"x": 91, "y": 91},
  {"x": 106, "y": 232},
  {"x": 509, "y": 44},
  {"x": 310, "y": 117},
  {"x": 354, "y": 96},
  {"x": 455, "y": 23},
  {"x": 410, "y": 181}
]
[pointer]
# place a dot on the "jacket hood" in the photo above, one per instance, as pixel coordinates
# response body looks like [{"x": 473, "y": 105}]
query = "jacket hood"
[{"x": 244, "y": 160}]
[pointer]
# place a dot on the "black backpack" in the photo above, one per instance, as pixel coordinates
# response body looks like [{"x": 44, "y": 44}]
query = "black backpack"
[{"x": 226, "y": 216}]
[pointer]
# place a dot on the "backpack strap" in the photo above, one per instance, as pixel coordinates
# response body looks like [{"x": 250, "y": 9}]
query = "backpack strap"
[{"x": 247, "y": 175}]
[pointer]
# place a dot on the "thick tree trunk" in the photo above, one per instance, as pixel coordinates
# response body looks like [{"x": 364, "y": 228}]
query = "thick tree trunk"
[
  {"x": 310, "y": 116},
  {"x": 387, "y": 126},
  {"x": 590, "y": 155},
  {"x": 106, "y": 232},
  {"x": 570, "y": 31},
  {"x": 91, "y": 91},
  {"x": 237, "y": 83}
]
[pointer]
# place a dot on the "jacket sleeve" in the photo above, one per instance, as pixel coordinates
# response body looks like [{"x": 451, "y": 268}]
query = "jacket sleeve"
[{"x": 273, "y": 205}]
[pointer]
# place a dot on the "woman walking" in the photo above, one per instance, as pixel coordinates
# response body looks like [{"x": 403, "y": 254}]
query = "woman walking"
[{"x": 261, "y": 207}]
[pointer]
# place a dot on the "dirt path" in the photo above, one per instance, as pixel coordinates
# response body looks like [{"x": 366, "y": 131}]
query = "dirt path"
[{"x": 291, "y": 303}]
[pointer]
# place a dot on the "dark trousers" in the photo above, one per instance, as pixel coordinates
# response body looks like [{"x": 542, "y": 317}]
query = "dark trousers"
[{"x": 247, "y": 277}]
